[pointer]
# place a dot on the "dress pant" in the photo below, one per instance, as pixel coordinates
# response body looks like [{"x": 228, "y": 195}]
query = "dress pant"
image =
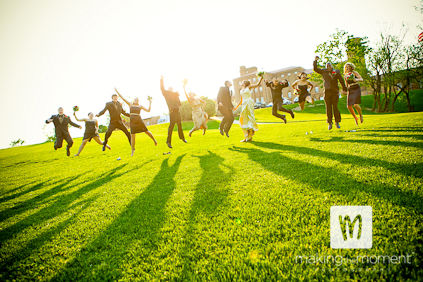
[
  {"x": 228, "y": 118},
  {"x": 175, "y": 118},
  {"x": 331, "y": 101},
  {"x": 278, "y": 106},
  {"x": 119, "y": 125},
  {"x": 59, "y": 140}
]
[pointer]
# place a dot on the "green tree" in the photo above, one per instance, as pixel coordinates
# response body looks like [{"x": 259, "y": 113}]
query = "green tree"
[
  {"x": 186, "y": 109},
  {"x": 18, "y": 142}
]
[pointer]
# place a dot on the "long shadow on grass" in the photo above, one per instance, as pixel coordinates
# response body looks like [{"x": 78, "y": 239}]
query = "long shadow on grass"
[
  {"x": 60, "y": 205},
  {"x": 12, "y": 266},
  {"x": 418, "y": 145},
  {"x": 140, "y": 222},
  {"x": 405, "y": 169},
  {"x": 210, "y": 193},
  {"x": 329, "y": 179},
  {"x": 60, "y": 186}
]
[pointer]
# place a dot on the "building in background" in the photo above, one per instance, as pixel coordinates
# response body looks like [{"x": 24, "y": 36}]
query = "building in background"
[{"x": 262, "y": 93}]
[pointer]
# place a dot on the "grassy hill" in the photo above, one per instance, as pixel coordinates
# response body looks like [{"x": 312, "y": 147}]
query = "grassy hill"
[{"x": 215, "y": 208}]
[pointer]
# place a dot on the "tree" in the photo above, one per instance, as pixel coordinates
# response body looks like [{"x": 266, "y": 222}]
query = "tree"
[
  {"x": 18, "y": 142},
  {"x": 342, "y": 47},
  {"x": 186, "y": 109}
]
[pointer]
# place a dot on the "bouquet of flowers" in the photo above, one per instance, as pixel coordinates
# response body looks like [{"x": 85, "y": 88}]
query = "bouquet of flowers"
[
  {"x": 350, "y": 77},
  {"x": 75, "y": 108},
  {"x": 260, "y": 74},
  {"x": 149, "y": 98}
]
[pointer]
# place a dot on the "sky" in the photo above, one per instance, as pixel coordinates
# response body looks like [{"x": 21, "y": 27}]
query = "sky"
[{"x": 65, "y": 53}]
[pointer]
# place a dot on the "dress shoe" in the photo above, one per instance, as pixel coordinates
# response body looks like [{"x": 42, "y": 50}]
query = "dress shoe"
[
  {"x": 337, "y": 125},
  {"x": 168, "y": 144},
  {"x": 330, "y": 126}
]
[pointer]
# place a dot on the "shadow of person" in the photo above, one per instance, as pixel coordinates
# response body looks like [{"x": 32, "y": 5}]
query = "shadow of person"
[
  {"x": 415, "y": 169},
  {"x": 62, "y": 204},
  {"x": 329, "y": 179},
  {"x": 137, "y": 227},
  {"x": 210, "y": 194}
]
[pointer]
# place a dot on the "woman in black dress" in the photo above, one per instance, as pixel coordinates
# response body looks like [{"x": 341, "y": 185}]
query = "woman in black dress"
[
  {"x": 354, "y": 91},
  {"x": 302, "y": 86},
  {"x": 91, "y": 131},
  {"x": 135, "y": 122}
]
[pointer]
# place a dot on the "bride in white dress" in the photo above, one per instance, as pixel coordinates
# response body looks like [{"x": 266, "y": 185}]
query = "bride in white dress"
[{"x": 246, "y": 118}]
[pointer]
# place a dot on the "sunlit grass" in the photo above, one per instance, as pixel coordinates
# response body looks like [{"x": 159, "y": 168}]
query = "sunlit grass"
[{"x": 214, "y": 208}]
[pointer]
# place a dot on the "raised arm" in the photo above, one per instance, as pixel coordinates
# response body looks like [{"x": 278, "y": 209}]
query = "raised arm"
[
  {"x": 257, "y": 84},
  {"x": 126, "y": 101},
  {"x": 149, "y": 107},
  {"x": 77, "y": 119},
  {"x": 315, "y": 67},
  {"x": 186, "y": 95},
  {"x": 102, "y": 111},
  {"x": 162, "y": 85},
  {"x": 294, "y": 84}
]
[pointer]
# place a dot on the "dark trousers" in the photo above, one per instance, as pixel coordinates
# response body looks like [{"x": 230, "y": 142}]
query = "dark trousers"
[
  {"x": 228, "y": 118},
  {"x": 119, "y": 125},
  {"x": 175, "y": 118},
  {"x": 331, "y": 101},
  {"x": 277, "y": 106},
  {"x": 59, "y": 140}
]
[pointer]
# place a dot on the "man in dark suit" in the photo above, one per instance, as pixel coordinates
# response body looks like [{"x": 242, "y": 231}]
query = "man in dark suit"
[
  {"x": 276, "y": 88},
  {"x": 61, "y": 124},
  {"x": 331, "y": 78},
  {"x": 225, "y": 106},
  {"x": 173, "y": 103},
  {"x": 115, "y": 110}
]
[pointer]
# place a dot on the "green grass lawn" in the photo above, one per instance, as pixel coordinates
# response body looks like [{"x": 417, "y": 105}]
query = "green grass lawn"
[{"x": 214, "y": 208}]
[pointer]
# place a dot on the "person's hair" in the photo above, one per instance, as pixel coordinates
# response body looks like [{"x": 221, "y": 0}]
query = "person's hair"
[
  {"x": 246, "y": 83},
  {"x": 349, "y": 64},
  {"x": 114, "y": 95},
  {"x": 60, "y": 108},
  {"x": 90, "y": 113},
  {"x": 227, "y": 82},
  {"x": 300, "y": 74}
]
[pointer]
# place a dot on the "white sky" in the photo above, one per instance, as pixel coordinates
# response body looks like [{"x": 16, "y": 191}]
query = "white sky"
[{"x": 65, "y": 53}]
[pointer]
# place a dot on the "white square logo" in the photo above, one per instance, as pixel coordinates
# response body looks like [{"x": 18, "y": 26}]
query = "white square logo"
[{"x": 350, "y": 227}]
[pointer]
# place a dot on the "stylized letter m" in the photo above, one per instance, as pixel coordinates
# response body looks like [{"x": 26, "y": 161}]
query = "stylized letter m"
[{"x": 347, "y": 225}]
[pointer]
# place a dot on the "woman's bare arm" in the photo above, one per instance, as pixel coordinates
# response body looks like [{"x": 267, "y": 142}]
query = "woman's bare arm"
[
  {"x": 252, "y": 86},
  {"x": 77, "y": 119},
  {"x": 358, "y": 77},
  {"x": 149, "y": 108},
  {"x": 129, "y": 104}
]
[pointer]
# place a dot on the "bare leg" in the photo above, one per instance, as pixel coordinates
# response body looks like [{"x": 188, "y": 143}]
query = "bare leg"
[
  {"x": 245, "y": 135},
  {"x": 133, "y": 144},
  {"x": 358, "y": 108},
  {"x": 204, "y": 127},
  {"x": 151, "y": 136},
  {"x": 302, "y": 105},
  {"x": 98, "y": 140},
  {"x": 351, "y": 109},
  {"x": 192, "y": 130},
  {"x": 82, "y": 146}
]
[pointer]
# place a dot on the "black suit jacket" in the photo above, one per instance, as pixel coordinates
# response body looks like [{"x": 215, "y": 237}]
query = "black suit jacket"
[
  {"x": 62, "y": 127},
  {"x": 115, "y": 111},
  {"x": 171, "y": 97},
  {"x": 276, "y": 90},
  {"x": 224, "y": 96},
  {"x": 331, "y": 78}
]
